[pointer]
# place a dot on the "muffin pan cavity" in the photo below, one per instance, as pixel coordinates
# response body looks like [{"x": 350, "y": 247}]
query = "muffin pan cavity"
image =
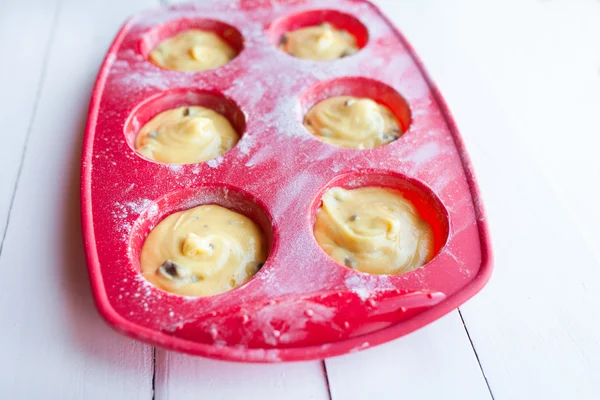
[
  {"x": 158, "y": 34},
  {"x": 163, "y": 101},
  {"x": 357, "y": 86},
  {"x": 222, "y": 195},
  {"x": 424, "y": 200},
  {"x": 335, "y": 18}
]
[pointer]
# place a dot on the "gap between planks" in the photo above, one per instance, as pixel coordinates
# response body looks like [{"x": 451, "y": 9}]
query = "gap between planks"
[
  {"x": 476, "y": 355},
  {"x": 153, "y": 373},
  {"x": 324, "y": 364},
  {"x": 36, "y": 102}
]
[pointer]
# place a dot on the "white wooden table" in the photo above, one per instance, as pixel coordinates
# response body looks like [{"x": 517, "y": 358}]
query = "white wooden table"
[{"x": 523, "y": 80}]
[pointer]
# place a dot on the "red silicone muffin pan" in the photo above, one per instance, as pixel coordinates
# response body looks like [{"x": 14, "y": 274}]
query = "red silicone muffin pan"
[{"x": 301, "y": 304}]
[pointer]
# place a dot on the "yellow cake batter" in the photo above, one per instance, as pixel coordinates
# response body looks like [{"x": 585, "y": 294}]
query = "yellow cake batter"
[
  {"x": 320, "y": 42},
  {"x": 352, "y": 122},
  {"x": 193, "y": 50},
  {"x": 203, "y": 251},
  {"x": 186, "y": 135},
  {"x": 374, "y": 230}
]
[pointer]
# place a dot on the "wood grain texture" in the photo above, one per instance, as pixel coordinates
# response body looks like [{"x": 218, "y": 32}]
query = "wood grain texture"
[
  {"x": 183, "y": 377},
  {"x": 23, "y": 58},
  {"x": 56, "y": 345},
  {"x": 436, "y": 362}
]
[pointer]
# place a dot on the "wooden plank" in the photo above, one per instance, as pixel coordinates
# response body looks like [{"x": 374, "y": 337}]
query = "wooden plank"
[
  {"x": 436, "y": 362},
  {"x": 56, "y": 345},
  {"x": 182, "y": 377},
  {"x": 24, "y": 52},
  {"x": 534, "y": 326}
]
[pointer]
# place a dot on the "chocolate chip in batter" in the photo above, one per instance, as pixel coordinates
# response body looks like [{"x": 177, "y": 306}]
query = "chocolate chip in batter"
[
  {"x": 173, "y": 271},
  {"x": 348, "y": 262},
  {"x": 353, "y": 218},
  {"x": 170, "y": 269},
  {"x": 259, "y": 265},
  {"x": 283, "y": 40},
  {"x": 186, "y": 112},
  {"x": 389, "y": 136}
]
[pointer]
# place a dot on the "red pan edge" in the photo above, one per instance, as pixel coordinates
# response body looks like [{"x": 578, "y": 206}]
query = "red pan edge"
[{"x": 278, "y": 354}]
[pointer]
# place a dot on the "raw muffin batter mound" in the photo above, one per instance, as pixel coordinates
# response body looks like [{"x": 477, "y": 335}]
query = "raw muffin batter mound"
[
  {"x": 203, "y": 251},
  {"x": 186, "y": 135},
  {"x": 374, "y": 230},
  {"x": 193, "y": 50},
  {"x": 352, "y": 122},
  {"x": 320, "y": 42}
]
